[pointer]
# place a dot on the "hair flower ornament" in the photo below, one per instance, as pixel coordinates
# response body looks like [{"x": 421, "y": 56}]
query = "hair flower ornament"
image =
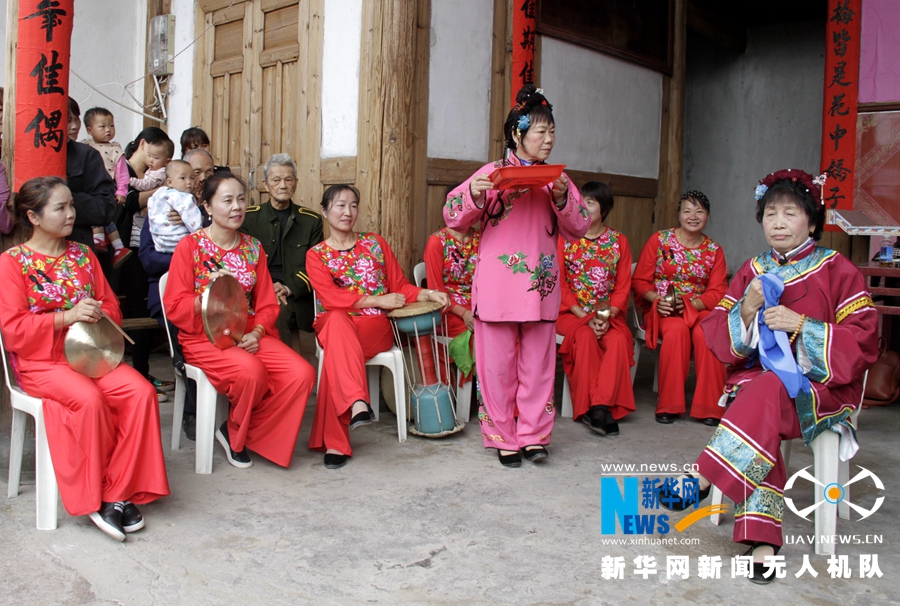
[
  {"x": 813, "y": 186},
  {"x": 524, "y": 122}
]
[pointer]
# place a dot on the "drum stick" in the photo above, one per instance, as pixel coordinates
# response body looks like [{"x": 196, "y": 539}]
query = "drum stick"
[{"x": 119, "y": 328}]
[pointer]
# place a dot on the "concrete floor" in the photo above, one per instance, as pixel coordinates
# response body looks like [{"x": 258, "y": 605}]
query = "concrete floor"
[{"x": 426, "y": 522}]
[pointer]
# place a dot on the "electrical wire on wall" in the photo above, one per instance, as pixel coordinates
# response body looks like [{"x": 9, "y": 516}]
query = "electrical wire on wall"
[{"x": 161, "y": 87}]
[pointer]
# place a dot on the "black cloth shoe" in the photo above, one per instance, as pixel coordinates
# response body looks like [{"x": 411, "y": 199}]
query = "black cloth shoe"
[
  {"x": 535, "y": 452},
  {"x": 189, "y": 427},
  {"x": 132, "y": 520},
  {"x": 109, "y": 520},
  {"x": 510, "y": 460},
  {"x": 241, "y": 459},
  {"x": 674, "y": 502},
  {"x": 711, "y": 421},
  {"x": 665, "y": 418},
  {"x": 596, "y": 419},
  {"x": 612, "y": 429},
  {"x": 335, "y": 461},
  {"x": 759, "y": 568},
  {"x": 362, "y": 418}
]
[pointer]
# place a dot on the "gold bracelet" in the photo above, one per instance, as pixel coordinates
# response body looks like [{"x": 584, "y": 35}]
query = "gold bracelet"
[
  {"x": 799, "y": 328},
  {"x": 261, "y": 330}
]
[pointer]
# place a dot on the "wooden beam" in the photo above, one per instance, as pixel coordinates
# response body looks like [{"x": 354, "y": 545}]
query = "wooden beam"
[
  {"x": 671, "y": 145},
  {"x": 621, "y": 185},
  {"x": 444, "y": 171},
  {"x": 338, "y": 170},
  {"x": 501, "y": 64},
  {"x": 714, "y": 25}
]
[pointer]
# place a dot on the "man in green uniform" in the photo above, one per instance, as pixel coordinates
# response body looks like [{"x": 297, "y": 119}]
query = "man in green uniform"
[{"x": 286, "y": 231}]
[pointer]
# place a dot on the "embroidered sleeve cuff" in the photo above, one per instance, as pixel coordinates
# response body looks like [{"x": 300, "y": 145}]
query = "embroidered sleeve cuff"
[
  {"x": 815, "y": 343},
  {"x": 743, "y": 339}
]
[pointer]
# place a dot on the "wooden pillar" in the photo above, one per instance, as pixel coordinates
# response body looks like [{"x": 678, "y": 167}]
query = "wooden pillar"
[
  {"x": 371, "y": 107},
  {"x": 671, "y": 140},
  {"x": 396, "y": 184},
  {"x": 308, "y": 116},
  {"x": 9, "y": 128},
  {"x": 501, "y": 65},
  {"x": 419, "y": 200}
]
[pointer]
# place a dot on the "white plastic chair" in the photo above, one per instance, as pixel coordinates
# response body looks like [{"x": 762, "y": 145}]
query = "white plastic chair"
[
  {"x": 464, "y": 391},
  {"x": 46, "y": 490},
  {"x": 566, "y": 410},
  {"x": 640, "y": 336},
  {"x": 391, "y": 359},
  {"x": 828, "y": 469},
  {"x": 208, "y": 403}
]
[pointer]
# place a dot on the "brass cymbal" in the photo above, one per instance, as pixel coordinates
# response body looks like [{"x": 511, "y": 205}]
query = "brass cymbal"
[
  {"x": 94, "y": 350},
  {"x": 602, "y": 311},
  {"x": 670, "y": 295},
  {"x": 223, "y": 309}
]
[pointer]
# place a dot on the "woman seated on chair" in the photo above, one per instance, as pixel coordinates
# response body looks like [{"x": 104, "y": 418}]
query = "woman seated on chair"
[
  {"x": 450, "y": 258},
  {"x": 597, "y": 353},
  {"x": 266, "y": 381},
  {"x": 356, "y": 281},
  {"x": 687, "y": 261},
  {"x": 816, "y": 338},
  {"x": 104, "y": 432}
]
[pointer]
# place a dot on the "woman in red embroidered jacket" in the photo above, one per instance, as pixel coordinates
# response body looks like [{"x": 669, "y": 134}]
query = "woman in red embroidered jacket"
[
  {"x": 688, "y": 260},
  {"x": 597, "y": 356},
  {"x": 104, "y": 432},
  {"x": 450, "y": 258},
  {"x": 357, "y": 280},
  {"x": 267, "y": 382}
]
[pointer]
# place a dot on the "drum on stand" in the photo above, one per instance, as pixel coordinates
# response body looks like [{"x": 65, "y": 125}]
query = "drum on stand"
[{"x": 431, "y": 399}]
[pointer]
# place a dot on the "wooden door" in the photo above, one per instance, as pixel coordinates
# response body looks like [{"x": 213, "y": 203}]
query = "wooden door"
[{"x": 252, "y": 89}]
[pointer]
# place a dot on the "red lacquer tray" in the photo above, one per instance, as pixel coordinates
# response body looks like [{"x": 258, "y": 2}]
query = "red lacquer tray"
[{"x": 526, "y": 177}]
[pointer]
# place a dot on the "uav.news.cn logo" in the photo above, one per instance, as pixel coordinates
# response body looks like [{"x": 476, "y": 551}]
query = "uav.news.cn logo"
[{"x": 833, "y": 493}]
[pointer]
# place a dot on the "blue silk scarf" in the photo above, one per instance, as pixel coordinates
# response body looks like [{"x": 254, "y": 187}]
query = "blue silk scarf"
[{"x": 774, "y": 346}]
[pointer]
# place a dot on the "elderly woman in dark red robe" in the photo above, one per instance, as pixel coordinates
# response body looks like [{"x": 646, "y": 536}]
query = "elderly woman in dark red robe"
[{"x": 828, "y": 339}]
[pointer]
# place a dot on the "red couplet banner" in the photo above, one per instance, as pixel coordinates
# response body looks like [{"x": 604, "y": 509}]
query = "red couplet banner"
[
  {"x": 522, "y": 45},
  {"x": 42, "y": 86},
  {"x": 840, "y": 103}
]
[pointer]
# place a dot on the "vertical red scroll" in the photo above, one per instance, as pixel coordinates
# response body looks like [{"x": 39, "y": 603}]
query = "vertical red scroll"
[
  {"x": 42, "y": 86},
  {"x": 840, "y": 103},
  {"x": 522, "y": 45}
]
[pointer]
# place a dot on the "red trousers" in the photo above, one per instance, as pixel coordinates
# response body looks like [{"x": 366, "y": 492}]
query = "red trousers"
[
  {"x": 268, "y": 391},
  {"x": 743, "y": 458},
  {"x": 599, "y": 371},
  {"x": 103, "y": 434},
  {"x": 347, "y": 342},
  {"x": 678, "y": 339}
]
